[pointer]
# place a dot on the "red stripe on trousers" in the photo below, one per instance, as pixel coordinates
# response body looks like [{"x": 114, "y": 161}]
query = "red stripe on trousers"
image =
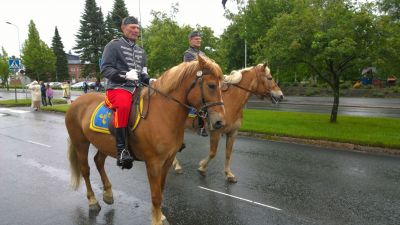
[{"x": 120, "y": 101}]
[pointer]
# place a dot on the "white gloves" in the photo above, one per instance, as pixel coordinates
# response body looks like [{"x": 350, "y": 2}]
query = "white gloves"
[{"x": 132, "y": 75}]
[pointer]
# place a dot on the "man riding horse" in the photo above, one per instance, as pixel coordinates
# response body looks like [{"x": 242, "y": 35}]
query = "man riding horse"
[
  {"x": 124, "y": 66},
  {"x": 191, "y": 54}
]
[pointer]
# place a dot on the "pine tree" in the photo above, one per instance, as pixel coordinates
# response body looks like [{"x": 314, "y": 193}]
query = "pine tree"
[
  {"x": 90, "y": 38},
  {"x": 110, "y": 31},
  {"x": 38, "y": 58},
  {"x": 119, "y": 12},
  {"x": 61, "y": 58}
]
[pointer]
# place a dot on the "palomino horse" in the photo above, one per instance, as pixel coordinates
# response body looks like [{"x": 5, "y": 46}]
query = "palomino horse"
[
  {"x": 157, "y": 137},
  {"x": 242, "y": 84}
]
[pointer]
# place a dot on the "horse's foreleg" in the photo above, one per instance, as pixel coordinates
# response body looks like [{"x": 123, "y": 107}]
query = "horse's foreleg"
[
  {"x": 82, "y": 154},
  {"x": 156, "y": 177},
  {"x": 99, "y": 159},
  {"x": 214, "y": 140},
  {"x": 230, "y": 140},
  {"x": 177, "y": 166}
]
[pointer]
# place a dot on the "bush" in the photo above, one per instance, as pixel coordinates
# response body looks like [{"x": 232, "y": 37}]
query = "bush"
[
  {"x": 345, "y": 85},
  {"x": 378, "y": 94},
  {"x": 312, "y": 91}
]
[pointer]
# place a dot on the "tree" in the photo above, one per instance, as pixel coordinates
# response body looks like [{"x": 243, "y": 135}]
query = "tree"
[
  {"x": 165, "y": 43},
  {"x": 38, "y": 58},
  {"x": 61, "y": 58},
  {"x": 328, "y": 36},
  {"x": 4, "y": 71},
  {"x": 252, "y": 22},
  {"x": 390, "y": 7},
  {"x": 110, "y": 32},
  {"x": 90, "y": 40},
  {"x": 119, "y": 12}
]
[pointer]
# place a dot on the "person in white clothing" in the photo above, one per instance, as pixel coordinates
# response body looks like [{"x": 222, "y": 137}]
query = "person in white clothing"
[{"x": 34, "y": 87}]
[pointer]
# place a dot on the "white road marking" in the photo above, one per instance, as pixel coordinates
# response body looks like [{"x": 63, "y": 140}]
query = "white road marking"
[
  {"x": 2, "y": 114},
  {"x": 37, "y": 143},
  {"x": 243, "y": 199},
  {"x": 14, "y": 110}
]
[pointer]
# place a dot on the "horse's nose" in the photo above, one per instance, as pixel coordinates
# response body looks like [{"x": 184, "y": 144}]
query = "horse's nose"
[
  {"x": 219, "y": 124},
  {"x": 281, "y": 97}
]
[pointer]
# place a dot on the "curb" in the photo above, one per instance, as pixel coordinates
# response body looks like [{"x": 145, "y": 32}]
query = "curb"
[{"x": 328, "y": 144}]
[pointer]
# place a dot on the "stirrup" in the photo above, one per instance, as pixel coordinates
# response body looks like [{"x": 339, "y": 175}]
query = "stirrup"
[{"x": 124, "y": 159}]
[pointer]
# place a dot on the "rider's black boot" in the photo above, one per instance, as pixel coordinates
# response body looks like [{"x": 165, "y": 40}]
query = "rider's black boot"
[{"x": 124, "y": 158}]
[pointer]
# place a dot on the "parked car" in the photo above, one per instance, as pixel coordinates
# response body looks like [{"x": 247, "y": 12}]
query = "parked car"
[
  {"x": 77, "y": 85},
  {"x": 55, "y": 84}
]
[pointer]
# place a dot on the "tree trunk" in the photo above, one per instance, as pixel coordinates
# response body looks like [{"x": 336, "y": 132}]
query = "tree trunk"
[{"x": 335, "y": 106}]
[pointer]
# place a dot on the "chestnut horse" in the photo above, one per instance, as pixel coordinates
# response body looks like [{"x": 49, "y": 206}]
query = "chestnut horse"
[
  {"x": 242, "y": 84},
  {"x": 157, "y": 137}
]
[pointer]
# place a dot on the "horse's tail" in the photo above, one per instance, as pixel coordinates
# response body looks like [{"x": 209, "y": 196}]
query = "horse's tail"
[{"x": 74, "y": 166}]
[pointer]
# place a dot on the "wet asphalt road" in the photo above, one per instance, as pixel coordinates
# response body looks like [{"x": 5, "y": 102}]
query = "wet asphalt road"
[
  {"x": 371, "y": 107},
  {"x": 279, "y": 183}
]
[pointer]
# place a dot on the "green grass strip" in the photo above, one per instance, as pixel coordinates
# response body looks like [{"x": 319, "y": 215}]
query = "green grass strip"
[
  {"x": 26, "y": 102},
  {"x": 370, "y": 131}
]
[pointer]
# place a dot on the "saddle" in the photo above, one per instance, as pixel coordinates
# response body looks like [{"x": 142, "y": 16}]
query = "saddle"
[{"x": 102, "y": 122}]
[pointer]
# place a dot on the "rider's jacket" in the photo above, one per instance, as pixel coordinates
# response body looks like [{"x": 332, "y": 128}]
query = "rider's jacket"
[
  {"x": 120, "y": 56},
  {"x": 191, "y": 54}
]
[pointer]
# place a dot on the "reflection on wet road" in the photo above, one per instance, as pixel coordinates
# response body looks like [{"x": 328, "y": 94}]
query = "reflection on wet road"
[{"x": 278, "y": 183}]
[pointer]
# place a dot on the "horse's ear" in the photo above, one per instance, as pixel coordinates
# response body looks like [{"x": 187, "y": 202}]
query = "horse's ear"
[
  {"x": 265, "y": 64},
  {"x": 202, "y": 61}
]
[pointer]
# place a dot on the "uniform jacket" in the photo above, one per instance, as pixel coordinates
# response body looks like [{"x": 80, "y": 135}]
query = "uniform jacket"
[
  {"x": 120, "y": 56},
  {"x": 191, "y": 54}
]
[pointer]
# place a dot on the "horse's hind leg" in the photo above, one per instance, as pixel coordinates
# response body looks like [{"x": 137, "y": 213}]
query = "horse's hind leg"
[
  {"x": 99, "y": 159},
  {"x": 177, "y": 166},
  {"x": 214, "y": 140},
  {"x": 230, "y": 140},
  {"x": 82, "y": 153}
]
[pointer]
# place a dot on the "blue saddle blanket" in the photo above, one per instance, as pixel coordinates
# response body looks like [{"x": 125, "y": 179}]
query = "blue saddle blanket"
[{"x": 100, "y": 118}]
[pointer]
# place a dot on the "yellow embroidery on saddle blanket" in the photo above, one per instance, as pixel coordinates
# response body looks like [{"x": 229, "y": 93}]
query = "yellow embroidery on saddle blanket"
[{"x": 102, "y": 115}]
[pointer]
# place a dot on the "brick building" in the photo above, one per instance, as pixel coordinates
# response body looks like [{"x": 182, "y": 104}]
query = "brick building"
[{"x": 75, "y": 66}]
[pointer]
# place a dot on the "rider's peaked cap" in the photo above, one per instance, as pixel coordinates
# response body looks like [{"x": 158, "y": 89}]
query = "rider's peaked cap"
[
  {"x": 194, "y": 34},
  {"x": 129, "y": 20}
]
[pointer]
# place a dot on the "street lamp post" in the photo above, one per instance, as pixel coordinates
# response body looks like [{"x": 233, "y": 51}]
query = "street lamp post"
[
  {"x": 19, "y": 42},
  {"x": 19, "y": 48}
]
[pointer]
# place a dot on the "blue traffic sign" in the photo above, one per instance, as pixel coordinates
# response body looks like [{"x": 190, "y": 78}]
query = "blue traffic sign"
[{"x": 14, "y": 64}]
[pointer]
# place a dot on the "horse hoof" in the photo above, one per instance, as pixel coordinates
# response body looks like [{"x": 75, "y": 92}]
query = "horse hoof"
[
  {"x": 232, "y": 179},
  {"x": 108, "y": 200},
  {"x": 95, "y": 207},
  {"x": 179, "y": 171},
  {"x": 202, "y": 173}
]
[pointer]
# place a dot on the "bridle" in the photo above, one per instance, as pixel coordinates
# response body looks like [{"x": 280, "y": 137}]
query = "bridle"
[
  {"x": 203, "y": 112},
  {"x": 251, "y": 91}
]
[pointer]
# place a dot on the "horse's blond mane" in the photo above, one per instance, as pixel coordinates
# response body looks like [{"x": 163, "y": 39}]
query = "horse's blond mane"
[{"x": 172, "y": 78}]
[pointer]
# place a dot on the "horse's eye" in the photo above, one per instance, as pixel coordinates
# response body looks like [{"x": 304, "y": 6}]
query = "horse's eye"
[
  {"x": 212, "y": 86},
  {"x": 269, "y": 78}
]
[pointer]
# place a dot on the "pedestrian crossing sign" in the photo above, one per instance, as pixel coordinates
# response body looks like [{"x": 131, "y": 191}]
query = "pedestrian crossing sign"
[{"x": 14, "y": 64}]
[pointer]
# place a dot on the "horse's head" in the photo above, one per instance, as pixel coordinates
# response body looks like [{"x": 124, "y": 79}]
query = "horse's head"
[
  {"x": 266, "y": 85},
  {"x": 204, "y": 93}
]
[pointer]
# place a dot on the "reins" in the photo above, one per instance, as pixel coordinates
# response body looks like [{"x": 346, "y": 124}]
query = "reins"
[{"x": 203, "y": 112}]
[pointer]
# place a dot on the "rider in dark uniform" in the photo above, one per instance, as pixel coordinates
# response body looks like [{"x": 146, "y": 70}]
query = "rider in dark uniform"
[
  {"x": 191, "y": 54},
  {"x": 124, "y": 66}
]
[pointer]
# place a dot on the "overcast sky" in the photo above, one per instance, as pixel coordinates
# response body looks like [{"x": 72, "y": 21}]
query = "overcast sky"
[{"x": 66, "y": 15}]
